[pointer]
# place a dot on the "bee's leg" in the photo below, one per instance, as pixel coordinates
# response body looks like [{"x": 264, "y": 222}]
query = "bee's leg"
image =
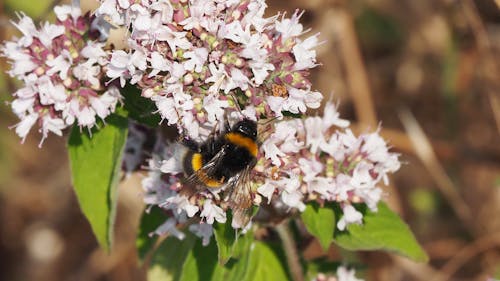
[
  {"x": 214, "y": 131},
  {"x": 227, "y": 126}
]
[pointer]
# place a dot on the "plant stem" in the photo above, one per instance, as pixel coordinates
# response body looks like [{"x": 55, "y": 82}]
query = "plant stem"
[{"x": 292, "y": 256}]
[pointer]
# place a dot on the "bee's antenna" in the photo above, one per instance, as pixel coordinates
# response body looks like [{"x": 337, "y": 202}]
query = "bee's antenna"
[
  {"x": 267, "y": 121},
  {"x": 236, "y": 103}
]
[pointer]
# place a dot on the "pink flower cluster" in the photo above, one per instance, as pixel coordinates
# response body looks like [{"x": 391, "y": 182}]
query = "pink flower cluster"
[
  {"x": 61, "y": 67},
  {"x": 193, "y": 58},
  {"x": 310, "y": 159}
]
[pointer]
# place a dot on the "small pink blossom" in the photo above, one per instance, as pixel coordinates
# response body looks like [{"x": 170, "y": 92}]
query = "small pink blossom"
[
  {"x": 169, "y": 226},
  {"x": 267, "y": 190},
  {"x": 212, "y": 212},
  {"x": 345, "y": 274},
  {"x": 180, "y": 204},
  {"x": 351, "y": 215},
  {"x": 203, "y": 230}
]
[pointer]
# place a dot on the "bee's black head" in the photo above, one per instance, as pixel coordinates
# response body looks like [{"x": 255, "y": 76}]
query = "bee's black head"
[{"x": 247, "y": 128}]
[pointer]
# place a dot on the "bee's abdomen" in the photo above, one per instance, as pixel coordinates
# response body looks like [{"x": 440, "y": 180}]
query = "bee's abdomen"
[
  {"x": 193, "y": 162},
  {"x": 187, "y": 162},
  {"x": 240, "y": 152}
]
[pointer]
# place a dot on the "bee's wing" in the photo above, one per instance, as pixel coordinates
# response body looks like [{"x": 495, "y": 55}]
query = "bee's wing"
[
  {"x": 240, "y": 197},
  {"x": 199, "y": 177}
]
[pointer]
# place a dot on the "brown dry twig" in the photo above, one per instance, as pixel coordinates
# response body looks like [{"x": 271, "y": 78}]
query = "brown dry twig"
[
  {"x": 489, "y": 66},
  {"x": 425, "y": 152},
  {"x": 420, "y": 271},
  {"x": 357, "y": 77},
  {"x": 471, "y": 250}
]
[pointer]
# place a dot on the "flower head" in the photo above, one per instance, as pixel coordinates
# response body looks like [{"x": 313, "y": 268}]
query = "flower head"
[
  {"x": 214, "y": 54},
  {"x": 62, "y": 74}
]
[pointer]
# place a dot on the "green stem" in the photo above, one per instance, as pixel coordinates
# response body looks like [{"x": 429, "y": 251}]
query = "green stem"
[{"x": 292, "y": 256}]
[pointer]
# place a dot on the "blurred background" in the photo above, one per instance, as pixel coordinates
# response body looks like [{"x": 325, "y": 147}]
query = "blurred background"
[{"x": 427, "y": 70}]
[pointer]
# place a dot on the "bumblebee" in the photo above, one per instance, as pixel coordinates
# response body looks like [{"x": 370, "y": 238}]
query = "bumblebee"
[{"x": 226, "y": 160}]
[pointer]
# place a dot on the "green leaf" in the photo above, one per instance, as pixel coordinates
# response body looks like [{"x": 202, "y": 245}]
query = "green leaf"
[
  {"x": 225, "y": 236},
  {"x": 34, "y": 9},
  {"x": 149, "y": 222},
  {"x": 201, "y": 263},
  {"x": 264, "y": 265},
  {"x": 321, "y": 265},
  {"x": 238, "y": 266},
  {"x": 95, "y": 168},
  {"x": 169, "y": 259},
  {"x": 382, "y": 230},
  {"x": 140, "y": 108},
  {"x": 252, "y": 261},
  {"x": 320, "y": 222}
]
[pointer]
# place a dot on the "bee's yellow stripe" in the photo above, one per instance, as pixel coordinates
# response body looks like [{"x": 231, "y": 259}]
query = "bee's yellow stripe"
[
  {"x": 196, "y": 162},
  {"x": 243, "y": 141},
  {"x": 208, "y": 181}
]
